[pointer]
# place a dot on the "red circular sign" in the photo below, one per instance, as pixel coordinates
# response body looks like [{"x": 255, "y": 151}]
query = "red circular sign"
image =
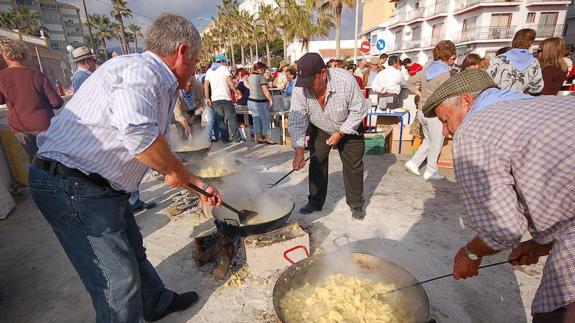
[{"x": 365, "y": 46}]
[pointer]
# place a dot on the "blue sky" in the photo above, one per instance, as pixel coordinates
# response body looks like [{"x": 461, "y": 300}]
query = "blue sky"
[{"x": 195, "y": 10}]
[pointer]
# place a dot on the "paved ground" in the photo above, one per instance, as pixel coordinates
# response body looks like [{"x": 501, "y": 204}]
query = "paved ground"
[{"x": 409, "y": 221}]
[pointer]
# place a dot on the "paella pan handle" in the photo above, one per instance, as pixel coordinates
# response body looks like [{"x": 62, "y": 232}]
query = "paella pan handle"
[
  {"x": 286, "y": 257},
  {"x": 231, "y": 222}
]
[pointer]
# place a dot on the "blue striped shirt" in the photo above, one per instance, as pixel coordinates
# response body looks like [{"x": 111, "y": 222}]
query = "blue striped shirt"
[{"x": 117, "y": 113}]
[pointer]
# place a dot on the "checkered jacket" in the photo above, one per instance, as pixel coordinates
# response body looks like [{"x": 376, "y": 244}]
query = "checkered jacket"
[{"x": 515, "y": 168}]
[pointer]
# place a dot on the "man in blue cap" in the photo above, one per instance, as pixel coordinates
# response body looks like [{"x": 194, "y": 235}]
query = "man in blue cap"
[{"x": 217, "y": 86}]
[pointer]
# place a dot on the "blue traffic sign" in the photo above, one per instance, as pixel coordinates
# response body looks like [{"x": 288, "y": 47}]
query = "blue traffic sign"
[{"x": 380, "y": 45}]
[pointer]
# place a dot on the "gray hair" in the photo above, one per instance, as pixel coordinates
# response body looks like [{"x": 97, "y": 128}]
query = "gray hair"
[
  {"x": 168, "y": 31},
  {"x": 455, "y": 99},
  {"x": 14, "y": 50}
]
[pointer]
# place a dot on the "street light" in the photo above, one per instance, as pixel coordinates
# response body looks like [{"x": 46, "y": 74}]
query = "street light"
[{"x": 70, "y": 48}]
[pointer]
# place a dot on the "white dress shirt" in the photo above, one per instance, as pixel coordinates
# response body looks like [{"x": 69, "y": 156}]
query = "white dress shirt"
[
  {"x": 123, "y": 107},
  {"x": 389, "y": 80}
]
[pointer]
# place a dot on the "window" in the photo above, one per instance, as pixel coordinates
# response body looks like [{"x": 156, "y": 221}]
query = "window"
[
  {"x": 436, "y": 33},
  {"x": 499, "y": 28},
  {"x": 530, "y": 18},
  {"x": 548, "y": 18},
  {"x": 468, "y": 29},
  {"x": 547, "y": 24}
]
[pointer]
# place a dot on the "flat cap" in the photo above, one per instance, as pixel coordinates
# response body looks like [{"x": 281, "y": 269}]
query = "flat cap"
[{"x": 470, "y": 81}]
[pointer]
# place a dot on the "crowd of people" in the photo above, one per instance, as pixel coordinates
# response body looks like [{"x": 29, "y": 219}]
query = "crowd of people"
[{"x": 514, "y": 162}]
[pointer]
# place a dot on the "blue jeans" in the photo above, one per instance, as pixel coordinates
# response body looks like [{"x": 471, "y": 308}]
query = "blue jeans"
[
  {"x": 225, "y": 111},
  {"x": 99, "y": 234},
  {"x": 261, "y": 115},
  {"x": 212, "y": 125}
]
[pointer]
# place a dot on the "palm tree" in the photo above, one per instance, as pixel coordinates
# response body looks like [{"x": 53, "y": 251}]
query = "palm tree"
[
  {"x": 266, "y": 17},
  {"x": 120, "y": 12},
  {"x": 103, "y": 28},
  {"x": 336, "y": 6},
  {"x": 136, "y": 32},
  {"x": 306, "y": 22},
  {"x": 22, "y": 19}
]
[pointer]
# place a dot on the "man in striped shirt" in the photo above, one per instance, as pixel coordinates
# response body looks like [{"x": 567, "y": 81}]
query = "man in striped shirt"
[
  {"x": 331, "y": 103},
  {"x": 515, "y": 168},
  {"x": 99, "y": 148}
]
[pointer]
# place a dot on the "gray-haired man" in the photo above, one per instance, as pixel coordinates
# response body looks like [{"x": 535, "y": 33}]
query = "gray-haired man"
[
  {"x": 98, "y": 149},
  {"x": 515, "y": 167}
]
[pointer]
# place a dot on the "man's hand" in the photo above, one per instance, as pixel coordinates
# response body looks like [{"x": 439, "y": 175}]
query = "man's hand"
[
  {"x": 334, "y": 139},
  {"x": 239, "y": 94},
  {"x": 463, "y": 267},
  {"x": 528, "y": 253},
  {"x": 298, "y": 160},
  {"x": 209, "y": 103},
  {"x": 214, "y": 200}
]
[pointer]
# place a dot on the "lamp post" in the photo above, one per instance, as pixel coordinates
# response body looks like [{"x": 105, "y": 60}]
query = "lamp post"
[
  {"x": 70, "y": 48},
  {"x": 356, "y": 32}
]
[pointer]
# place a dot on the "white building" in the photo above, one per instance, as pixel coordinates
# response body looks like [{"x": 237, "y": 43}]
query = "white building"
[
  {"x": 474, "y": 26},
  {"x": 253, "y": 6},
  {"x": 326, "y": 48}
]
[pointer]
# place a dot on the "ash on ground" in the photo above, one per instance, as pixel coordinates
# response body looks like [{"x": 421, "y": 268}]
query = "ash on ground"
[{"x": 185, "y": 201}]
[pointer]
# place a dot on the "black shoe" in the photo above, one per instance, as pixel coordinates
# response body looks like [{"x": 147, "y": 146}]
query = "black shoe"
[
  {"x": 141, "y": 205},
  {"x": 309, "y": 208},
  {"x": 179, "y": 303},
  {"x": 358, "y": 213}
]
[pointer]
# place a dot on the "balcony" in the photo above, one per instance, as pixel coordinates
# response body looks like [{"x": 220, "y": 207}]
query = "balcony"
[
  {"x": 437, "y": 9},
  {"x": 466, "y": 5},
  {"x": 486, "y": 34},
  {"x": 431, "y": 42},
  {"x": 546, "y": 31},
  {"x": 547, "y": 2},
  {"x": 414, "y": 43}
]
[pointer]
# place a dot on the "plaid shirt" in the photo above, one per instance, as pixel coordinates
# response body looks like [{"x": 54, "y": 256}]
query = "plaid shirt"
[
  {"x": 345, "y": 107},
  {"x": 515, "y": 167}
]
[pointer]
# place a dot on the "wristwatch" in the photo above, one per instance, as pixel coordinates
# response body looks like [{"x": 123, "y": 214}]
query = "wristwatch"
[
  {"x": 205, "y": 186},
  {"x": 471, "y": 255}
]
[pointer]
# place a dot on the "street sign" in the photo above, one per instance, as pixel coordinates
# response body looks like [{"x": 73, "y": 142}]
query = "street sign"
[
  {"x": 380, "y": 45},
  {"x": 365, "y": 46}
]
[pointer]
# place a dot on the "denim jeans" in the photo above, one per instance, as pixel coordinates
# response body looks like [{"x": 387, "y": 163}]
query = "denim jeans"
[
  {"x": 99, "y": 234},
  {"x": 28, "y": 141},
  {"x": 211, "y": 125},
  {"x": 226, "y": 112},
  {"x": 261, "y": 115}
]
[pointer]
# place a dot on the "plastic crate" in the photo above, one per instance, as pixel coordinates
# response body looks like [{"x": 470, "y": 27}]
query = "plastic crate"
[{"x": 375, "y": 145}]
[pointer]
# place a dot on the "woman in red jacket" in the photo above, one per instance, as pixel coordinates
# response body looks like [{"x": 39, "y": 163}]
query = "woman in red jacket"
[{"x": 30, "y": 96}]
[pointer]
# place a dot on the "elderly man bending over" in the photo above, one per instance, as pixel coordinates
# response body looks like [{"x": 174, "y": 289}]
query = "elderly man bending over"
[
  {"x": 98, "y": 149},
  {"x": 515, "y": 169}
]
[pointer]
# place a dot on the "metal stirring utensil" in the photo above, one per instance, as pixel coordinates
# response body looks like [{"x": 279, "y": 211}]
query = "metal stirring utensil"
[
  {"x": 436, "y": 278},
  {"x": 244, "y": 215}
]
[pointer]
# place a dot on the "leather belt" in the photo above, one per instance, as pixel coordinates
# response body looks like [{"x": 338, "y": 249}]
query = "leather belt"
[{"x": 55, "y": 167}]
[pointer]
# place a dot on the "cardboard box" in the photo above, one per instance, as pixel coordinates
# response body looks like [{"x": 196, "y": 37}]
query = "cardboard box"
[{"x": 276, "y": 249}]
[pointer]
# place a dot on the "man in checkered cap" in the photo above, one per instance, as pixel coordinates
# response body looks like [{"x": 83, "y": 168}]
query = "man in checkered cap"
[
  {"x": 515, "y": 168},
  {"x": 329, "y": 101}
]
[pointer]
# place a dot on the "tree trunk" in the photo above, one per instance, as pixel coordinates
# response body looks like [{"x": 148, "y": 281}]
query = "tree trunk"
[
  {"x": 232, "y": 53},
  {"x": 268, "y": 57},
  {"x": 243, "y": 57},
  {"x": 338, "y": 30},
  {"x": 251, "y": 54},
  {"x": 257, "y": 55},
  {"x": 105, "y": 48},
  {"x": 136, "y": 42},
  {"x": 123, "y": 36},
  {"x": 285, "y": 48}
]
